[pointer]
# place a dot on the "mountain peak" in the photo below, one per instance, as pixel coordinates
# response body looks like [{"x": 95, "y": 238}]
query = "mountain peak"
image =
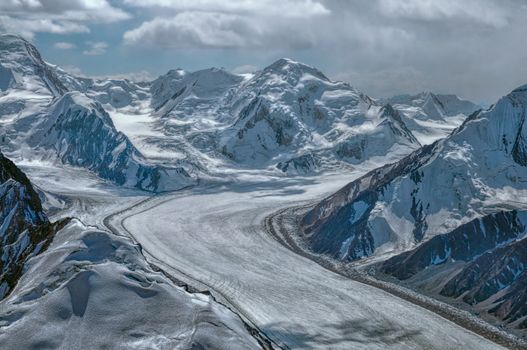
[
  {"x": 22, "y": 66},
  {"x": 388, "y": 110},
  {"x": 435, "y": 106},
  {"x": 520, "y": 90},
  {"x": 287, "y": 65},
  {"x": 391, "y": 115},
  {"x": 9, "y": 38},
  {"x": 285, "y": 61},
  {"x": 16, "y": 51}
]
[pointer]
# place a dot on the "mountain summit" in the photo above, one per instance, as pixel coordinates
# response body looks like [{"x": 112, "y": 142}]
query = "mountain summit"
[{"x": 22, "y": 67}]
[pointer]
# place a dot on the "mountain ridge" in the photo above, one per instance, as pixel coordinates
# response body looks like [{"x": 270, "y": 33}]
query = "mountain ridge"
[{"x": 458, "y": 199}]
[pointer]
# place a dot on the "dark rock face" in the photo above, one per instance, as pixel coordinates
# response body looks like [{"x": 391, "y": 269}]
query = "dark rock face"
[
  {"x": 257, "y": 111},
  {"x": 7, "y": 79},
  {"x": 328, "y": 225},
  {"x": 304, "y": 164},
  {"x": 516, "y": 142},
  {"x": 501, "y": 273},
  {"x": 24, "y": 228},
  {"x": 519, "y": 148},
  {"x": 85, "y": 136},
  {"x": 396, "y": 123},
  {"x": 347, "y": 235},
  {"x": 489, "y": 273},
  {"x": 463, "y": 243},
  {"x": 352, "y": 149},
  {"x": 495, "y": 252}
]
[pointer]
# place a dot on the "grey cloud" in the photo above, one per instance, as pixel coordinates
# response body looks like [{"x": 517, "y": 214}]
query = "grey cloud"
[
  {"x": 471, "y": 47},
  {"x": 475, "y": 51},
  {"x": 478, "y": 11}
]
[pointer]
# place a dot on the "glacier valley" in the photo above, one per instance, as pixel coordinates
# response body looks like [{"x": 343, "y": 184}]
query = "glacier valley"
[{"x": 273, "y": 210}]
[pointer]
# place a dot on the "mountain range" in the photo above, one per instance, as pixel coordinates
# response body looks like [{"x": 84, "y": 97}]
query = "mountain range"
[
  {"x": 440, "y": 206},
  {"x": 162, "y": 135},
  {"x": 450, "y": 216}
]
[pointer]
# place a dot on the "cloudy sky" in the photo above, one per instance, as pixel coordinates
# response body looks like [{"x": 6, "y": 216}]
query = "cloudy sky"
[{"x": 474, "y": 48}]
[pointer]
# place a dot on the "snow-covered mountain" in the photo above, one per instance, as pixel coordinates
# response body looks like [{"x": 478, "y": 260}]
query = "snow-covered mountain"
[
  {"x": 86, "y": 273},
  {"x": 111, "y": 93},
  {"x": 289, "y": 117},
  {"x": 482, "y": 262},
  {"x": 41, "y": 120},
  {"x": 22, "y": 68},
  {"x": 427, "y": 105},
  {"x": 290, "y": 112},
  {"x": 187, "y": 112},
  {"x": 461, "y": 198},
  {"x": 279, "y": 117},
  {"x": 182, "y": 94},
  {"x": 275, "y": 118},
  {"x": 432, "y": 116},
  {"x": 79, "y": 132},
  {"x": 25, "y": 230},
  {"x": 480, "y": 167},
  {"x": 63, "y": 276}
]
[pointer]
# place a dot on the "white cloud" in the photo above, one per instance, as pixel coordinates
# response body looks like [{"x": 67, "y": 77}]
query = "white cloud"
[
  {"x": 227, "y": 24},
  {"x": 95, "y": 48},
  {"x": 62, "y": 45},
  {"x": 73, "y": 10},
  {"x": 28, "y": 28},
  {"x": 27, "y": 17},
  {"x": 482, "y": 11},
  {"x": 18, "y": 4},
  {"x": 190, "y": 29},
  {"x": 220, "y": 30},
  {"x": 282, "y": 8}
]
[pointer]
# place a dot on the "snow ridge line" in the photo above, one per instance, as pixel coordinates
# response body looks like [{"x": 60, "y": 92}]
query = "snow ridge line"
[
  {"x": 275, "y": 225},
  {"x": 263, "y": 340}
]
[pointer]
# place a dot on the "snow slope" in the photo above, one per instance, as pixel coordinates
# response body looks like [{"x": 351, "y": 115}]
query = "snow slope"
[
  {"x": 111, "y": 93},
  {"x": 432, "y": 116},
  {"x": 81, "y": 133},
  {"x": 477, "y": 171},
  {"x": 22, "y": 68},
  {"x": 94, "y": 290},
  {"x": 481, "y": 263},
  {"x": 40, "y": 120},
  {"x": 290, "y": 110},
  {"x": 213, "y": 237},
  {"x": 25, "y": 230}
]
